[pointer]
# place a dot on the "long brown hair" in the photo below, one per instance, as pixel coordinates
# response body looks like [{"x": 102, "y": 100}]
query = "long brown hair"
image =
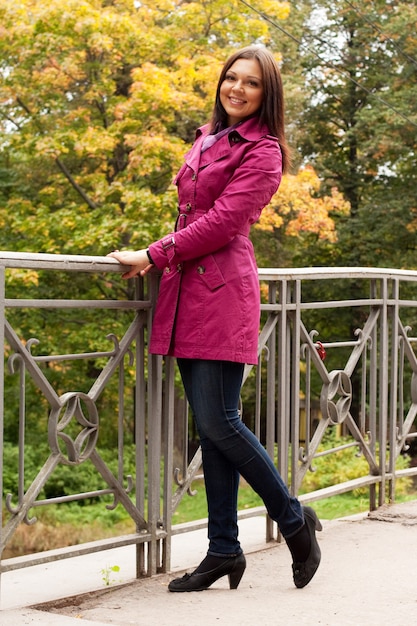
[{"x": 271, "y": 112}]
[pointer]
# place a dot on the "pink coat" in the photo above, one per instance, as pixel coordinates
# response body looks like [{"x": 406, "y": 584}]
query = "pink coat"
[{"x": 209, "y": 301}]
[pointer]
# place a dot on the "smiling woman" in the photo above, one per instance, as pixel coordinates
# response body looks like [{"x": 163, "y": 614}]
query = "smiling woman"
[
  {"x": 208, "y": 309},
  {"x": 241, "y": 92}
]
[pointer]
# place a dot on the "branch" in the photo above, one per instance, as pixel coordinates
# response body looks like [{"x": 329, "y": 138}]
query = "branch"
[
  {"x": 76, "y": 186},
  {"x": 58, "y": 161},
  {"x": 12, "y": 121}
]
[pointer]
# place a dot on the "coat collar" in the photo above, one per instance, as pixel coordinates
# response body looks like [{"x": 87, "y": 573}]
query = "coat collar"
[{"x": 249, "y": 130}]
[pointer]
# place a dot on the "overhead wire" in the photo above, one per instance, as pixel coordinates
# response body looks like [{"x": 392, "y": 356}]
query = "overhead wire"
[
  {"x": 373, "y": 25},
  {"x": 328, "y": 63}
]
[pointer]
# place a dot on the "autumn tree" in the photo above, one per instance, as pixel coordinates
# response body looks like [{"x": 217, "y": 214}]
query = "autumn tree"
[{"x": 360, "y": 123}]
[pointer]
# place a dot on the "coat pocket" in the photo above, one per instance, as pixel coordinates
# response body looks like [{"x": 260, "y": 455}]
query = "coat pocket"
[{"x": 210, "y": 273}]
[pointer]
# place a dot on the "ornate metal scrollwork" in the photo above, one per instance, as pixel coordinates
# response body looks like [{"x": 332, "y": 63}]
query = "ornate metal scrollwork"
[
  {"x": 336, "y": 397},
  {"x": 413, "y": 388},
  {"x": 116, "y": 497},
  {"x": 181, "y": 482},
  {"x": 73, "y": 447}
]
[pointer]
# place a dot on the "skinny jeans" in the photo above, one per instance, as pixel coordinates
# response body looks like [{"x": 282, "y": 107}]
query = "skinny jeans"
[{"x": 229, "y": 449}]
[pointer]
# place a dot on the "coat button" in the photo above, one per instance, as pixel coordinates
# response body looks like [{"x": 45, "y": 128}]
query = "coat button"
[
  {"x": 167, "y": 270},
  {"x": 201, "y": 269},
  {"x": 188, "y": 206},
  {"x": 179, "y": 267},
  {"x": 194, "y": 176}
]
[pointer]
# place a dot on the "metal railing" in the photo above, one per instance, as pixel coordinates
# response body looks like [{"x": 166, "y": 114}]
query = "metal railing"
[{"x": 365, "y": 386}]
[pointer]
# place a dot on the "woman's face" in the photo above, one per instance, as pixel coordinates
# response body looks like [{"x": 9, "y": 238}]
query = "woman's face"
[{"x": 242, "y": 91}]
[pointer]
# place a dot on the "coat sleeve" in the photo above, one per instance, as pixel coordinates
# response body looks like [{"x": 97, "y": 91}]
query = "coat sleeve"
[{"x": 251, "y": 187}]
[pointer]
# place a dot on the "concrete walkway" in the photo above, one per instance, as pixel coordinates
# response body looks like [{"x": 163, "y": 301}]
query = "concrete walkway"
[{"x": 367, "y": 578}]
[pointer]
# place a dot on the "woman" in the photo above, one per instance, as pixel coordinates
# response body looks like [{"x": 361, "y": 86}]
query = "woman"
[{"x": 208, "y": 308}]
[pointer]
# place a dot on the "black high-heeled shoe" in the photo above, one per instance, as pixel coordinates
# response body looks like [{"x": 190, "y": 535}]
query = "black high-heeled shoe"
[
  {"x": 304, "y": 571},
  {"x": 233, "y": 567}
]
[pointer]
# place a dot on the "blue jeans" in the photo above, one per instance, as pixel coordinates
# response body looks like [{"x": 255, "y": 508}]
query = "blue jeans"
[{"x": 230, "y": 449}]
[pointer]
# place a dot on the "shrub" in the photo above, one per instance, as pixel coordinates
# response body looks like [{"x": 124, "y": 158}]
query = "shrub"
[{"x": 344, "y": 465}]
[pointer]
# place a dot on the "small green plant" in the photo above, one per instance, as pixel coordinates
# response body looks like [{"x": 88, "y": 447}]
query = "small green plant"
[{"x": 106, "y": 574}]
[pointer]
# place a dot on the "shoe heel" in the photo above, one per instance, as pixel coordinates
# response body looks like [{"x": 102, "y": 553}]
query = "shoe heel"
[
  {"x": 317, "y": 522},
  {"x": 312, "y": 514},
  {"x": 236, "y": 574}
]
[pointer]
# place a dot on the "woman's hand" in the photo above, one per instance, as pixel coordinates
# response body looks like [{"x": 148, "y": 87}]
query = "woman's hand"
[{"x": 138, "y": 259}]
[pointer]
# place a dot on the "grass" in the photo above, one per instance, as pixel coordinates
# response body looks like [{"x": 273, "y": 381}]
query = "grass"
[{"x": 195, "y": 507}]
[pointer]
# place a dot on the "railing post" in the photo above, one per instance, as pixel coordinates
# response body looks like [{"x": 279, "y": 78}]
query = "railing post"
[
  {"x": 383, "y": 388},
  {"x": 168, "y": 460},
  {"x": 140, "y": 428},
  {"x": 154, "y": 446},
  {"x": 271, "y": 428},
  {"x": 295, "y": 386},
  {"x": 373, "y": 395},
  {"x": 154, "y": 459},
  {"x": 393, "y": 406},
  {"x": 283, "y": 382}
]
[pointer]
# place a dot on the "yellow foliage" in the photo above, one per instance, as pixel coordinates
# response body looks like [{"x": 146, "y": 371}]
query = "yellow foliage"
[
  {"x": 279, "y": 10},
  {"x": 298, "y": 208},
  {"x": 94, "y": 140},
  {"x": 26, "y": 277},
  {"x": 269, "y": 220},
  {"x": 412, "y": 226}
]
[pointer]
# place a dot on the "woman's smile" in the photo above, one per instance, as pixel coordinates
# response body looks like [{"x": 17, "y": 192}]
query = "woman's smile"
[{"x": 236, "y": 101}]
